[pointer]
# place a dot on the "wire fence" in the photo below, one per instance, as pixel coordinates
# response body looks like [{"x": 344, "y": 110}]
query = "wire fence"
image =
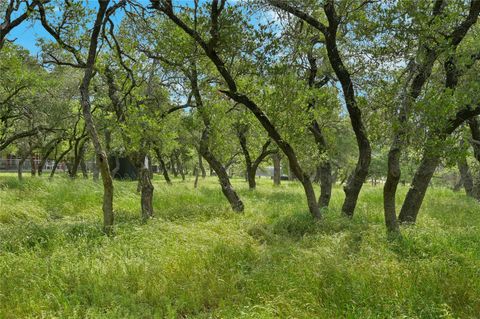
[{"x": 12, "y": 164}]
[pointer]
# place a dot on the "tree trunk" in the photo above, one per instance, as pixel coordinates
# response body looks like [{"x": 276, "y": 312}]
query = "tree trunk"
[
  {"x": 475, "y": 142},
  {"x": 251, "y": 172},
  {"x": 200, "y": 165},
  {"x": 87, "y": 114},
  {"x": 79, "y": 151},
  {"x": 20, "y": 167},
  {"x": 163, "y": 166},
  {"x": 325, "y": 184},
  {"x": 45, "y": 156},
  {"x": 324, "y": 173},
  {"x": 146, "y": 189},
  {"x": 458, "y": 185},
  {"x": 390, "y": 187},
  {"x": 195, "y": 172},
  {"x": 117, "y": 166},
  {"x": 418, "y": 188},
  {"x": 96, "y": 171},
  {"x": 325, "y": 168},
  {"x": 33, "y": 169},
  {"x": 172, "y": 166},
  {"x": 57, "y": 161},
  {"x": 227, "y": 188},
  {"x": 466, "y": 177},
  {"x": 356, "y": 180},
  {"x": 179, "y": 165},
  {"x": 277, "y": 174},
  {"x": 84, "y": 169}
]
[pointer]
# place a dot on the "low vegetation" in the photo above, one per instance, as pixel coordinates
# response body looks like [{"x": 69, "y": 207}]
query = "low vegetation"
[{"x": 198, "y": 259}]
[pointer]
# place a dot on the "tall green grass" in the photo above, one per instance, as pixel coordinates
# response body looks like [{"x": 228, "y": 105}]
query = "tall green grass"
[{"x": 197, "y": 259}]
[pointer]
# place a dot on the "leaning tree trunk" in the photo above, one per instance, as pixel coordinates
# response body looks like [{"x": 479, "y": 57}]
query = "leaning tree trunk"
[
  {"x": 163, "y": 166},
  {"x": 227, "y": 188},
  {"x": 429, "y": 163},
  {"x": 356, "y": 180},
  {"x": 45, "y": 156},
  {"x": 57, "y": 161},
  {"x": 416, "y": 193}
]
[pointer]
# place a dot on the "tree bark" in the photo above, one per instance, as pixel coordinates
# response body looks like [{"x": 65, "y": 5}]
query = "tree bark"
[
  {"x": 33, "y": 169},
  {"x": 146, "y": 189},
  {"x": 252, "y": 183},
  {"x": 20, "y": 167},
  {"x": 324, "y": 172},
  {"x": 195, "y": 172},
  {"x": 200, "y": 165},
  {"x": 227, "y": 188},
  {"x": 163, "y": 166},
  {"x": 102, "y": 159},
  {"x": 115, "y": 170},
  {"x": 418, "y": 188},
  {"x": 84, "y": 169},
  {"x": 179, "y": 164},
  {"x": 277, "y": 174},
  {"x": 79, "y": 151},
  {"x": 96, "y": 171},
  {"x": 325, "y": 168},
  {"x": 172, "y": 166},
  {"x": 466, "y": 177}
]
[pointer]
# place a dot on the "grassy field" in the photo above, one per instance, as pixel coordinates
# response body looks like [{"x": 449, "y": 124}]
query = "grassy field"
[{"x": 197, "y": 259}]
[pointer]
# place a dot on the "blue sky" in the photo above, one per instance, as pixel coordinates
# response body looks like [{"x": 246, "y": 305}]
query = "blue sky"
[{"x": 27, "y": 33}]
